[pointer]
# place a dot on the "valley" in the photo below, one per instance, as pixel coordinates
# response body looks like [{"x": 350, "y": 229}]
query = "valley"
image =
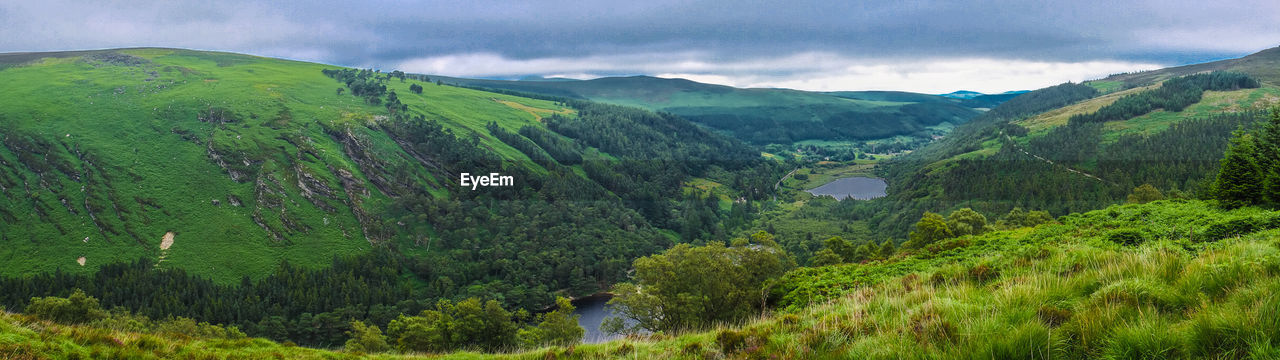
[{"x": 171, "y": 203}]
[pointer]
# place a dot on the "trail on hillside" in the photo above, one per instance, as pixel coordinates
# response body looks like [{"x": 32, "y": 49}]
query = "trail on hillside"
[{"x": 1050, "y": 162}]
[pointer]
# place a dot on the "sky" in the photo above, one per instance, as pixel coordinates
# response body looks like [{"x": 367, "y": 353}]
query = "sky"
[{"x": 921, "y": 46}]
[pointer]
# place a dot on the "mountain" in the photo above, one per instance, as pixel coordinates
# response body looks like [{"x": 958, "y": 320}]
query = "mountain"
[
  {"x": 1091, "y": 143},
  {"x": 962, "y": 94},
  {"x": 227, "y": 166},
  {"x": 761, "y": 116}
]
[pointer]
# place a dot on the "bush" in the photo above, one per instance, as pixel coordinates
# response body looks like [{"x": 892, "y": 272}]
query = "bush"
[
  {"x": 366, "y": 339},
  {"x": 75, "y": 309},
  {"x": 730, "y": 341},
  {"x": 1128, "y": 237},
  {"x": 1228, "y": 228}
]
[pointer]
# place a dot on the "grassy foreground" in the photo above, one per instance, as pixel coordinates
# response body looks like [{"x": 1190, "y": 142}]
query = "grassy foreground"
[{"x": 1170, "y": 279}]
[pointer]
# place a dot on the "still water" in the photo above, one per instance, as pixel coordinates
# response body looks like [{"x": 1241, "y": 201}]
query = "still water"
[
  {"x": 594, "y": 309},
  {"x": 858, "y": 187}
]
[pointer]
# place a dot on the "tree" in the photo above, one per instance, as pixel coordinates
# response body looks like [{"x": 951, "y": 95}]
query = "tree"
[
  {"x": 825, "y": 257},
  {"x": 415, "y": 88},
  {"x": 1145, "y": 194},
  {"x": 75, "y": 309},
  {"x": 841, "y": 248},
  {"x": 366, "y": 339},
  {"x": 1267, "y": 142},
  {"x": 887, "y": 249},
  {"x": 1239, "y": 182},
  {"x": 930, "y": 229},
  {"x": 559, "y": 327},
  {"x": 966, "y": 222},
  {"x": 689, "y": 287}
]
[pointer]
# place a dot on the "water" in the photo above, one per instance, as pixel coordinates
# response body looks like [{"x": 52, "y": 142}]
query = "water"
[
  {"x": 594, "y": 309},
  {"x": 857, "y": 187}
]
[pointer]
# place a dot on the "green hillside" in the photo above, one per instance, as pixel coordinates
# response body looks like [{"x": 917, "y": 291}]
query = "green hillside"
[
  {"x": 762, "y": 116},
  {"x": 1169, "y": 280},
  {"x": 107, "y": 152},
  {"x": 1032, "y": 142}
]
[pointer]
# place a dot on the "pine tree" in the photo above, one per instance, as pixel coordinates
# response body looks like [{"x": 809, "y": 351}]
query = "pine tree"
[
  {"x": 1239, "y": 181},
  {"x": 1267, "y": 150}
]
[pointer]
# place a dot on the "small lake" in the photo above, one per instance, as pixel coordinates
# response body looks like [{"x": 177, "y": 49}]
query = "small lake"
[
  {"x": 594, "y": 310},
  {"x": 857, "y": 187}
]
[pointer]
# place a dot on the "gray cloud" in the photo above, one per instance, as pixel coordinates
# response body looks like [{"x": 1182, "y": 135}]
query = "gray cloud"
[{"x": 645, "y": 36}]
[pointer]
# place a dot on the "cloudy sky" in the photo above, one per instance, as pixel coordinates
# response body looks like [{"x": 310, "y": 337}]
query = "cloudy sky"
[{"x": 924, "y": 46}]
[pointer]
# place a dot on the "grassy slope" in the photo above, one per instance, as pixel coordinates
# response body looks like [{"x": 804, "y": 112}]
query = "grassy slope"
[
  {"x": 1056, "y": 291},
  {"x": 1187, "y": 290},
  {"x": 1213, "y": 102},
  {"x": 134, "y": 146}
]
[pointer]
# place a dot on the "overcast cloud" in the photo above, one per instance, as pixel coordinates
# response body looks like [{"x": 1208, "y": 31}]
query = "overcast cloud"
[{"x": 926, "y": 46}]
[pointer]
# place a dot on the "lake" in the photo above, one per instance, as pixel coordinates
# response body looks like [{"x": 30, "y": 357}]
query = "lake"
[
  {"x": 857, "y": 187},
  {"x": 594, "y": 309}
]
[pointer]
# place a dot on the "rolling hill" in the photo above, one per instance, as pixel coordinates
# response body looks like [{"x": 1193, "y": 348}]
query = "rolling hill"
[
  {"x": 227, "y": 165},
  {"x": 764, "y": 116},
  {"x": 1033, "y": 144}
]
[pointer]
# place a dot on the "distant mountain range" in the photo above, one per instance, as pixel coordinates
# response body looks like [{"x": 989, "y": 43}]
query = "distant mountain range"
[{"x": 767, "y": 115}]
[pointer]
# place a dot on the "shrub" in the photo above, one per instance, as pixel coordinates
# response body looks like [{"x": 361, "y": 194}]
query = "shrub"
[
  {"x": 1128, "y": 237},
  {"x": 74, "y": 309},
  {"x": 366, "y": 339},
  {"x": 983, "y": 273},
  {"x": 730, "y": 341},
  {"x": 1228, "y": 228}
]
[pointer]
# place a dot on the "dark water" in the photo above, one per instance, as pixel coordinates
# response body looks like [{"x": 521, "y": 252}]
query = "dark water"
[
  {"x": 860, "y": 188},
  {"x": 594, "y": 310}
]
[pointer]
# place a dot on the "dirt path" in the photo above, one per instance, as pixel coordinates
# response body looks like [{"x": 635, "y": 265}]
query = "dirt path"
[{"x": 1050, "y": 162}]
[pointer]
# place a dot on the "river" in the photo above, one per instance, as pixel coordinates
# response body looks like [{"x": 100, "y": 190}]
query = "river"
[{"x": 857, "y": 187}]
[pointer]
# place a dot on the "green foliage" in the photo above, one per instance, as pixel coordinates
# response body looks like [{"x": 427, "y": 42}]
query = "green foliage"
[
  {"x": 930, "y": 229},
  {"x": 1039, "y": 101},
  {"x": 365, "y": 339},
  {"x": 1239, "y": 181},
  {"x": 826, "y": 257},
  {"x": 557, "y": 328},
  {"x": 1145, "y": 194},
  {"x": 762, "y": 116},
  {"x": 1174, "y": 95},
  {"x": 842, "y": 248},
  {"x": 75, "y": 309},
  {"x": 1126, "y": 237},
  {"x": 1017, "y": 218},
  {"x": 728, "y": 286},
  {"x": 467, "y": 324},
  {"x": 730, "y": 341},
  {"x": 966, "y": 222}
]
